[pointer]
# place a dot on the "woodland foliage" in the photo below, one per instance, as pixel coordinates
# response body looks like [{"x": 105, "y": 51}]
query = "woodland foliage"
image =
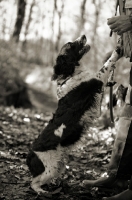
[{"x": 31, "y": 35}]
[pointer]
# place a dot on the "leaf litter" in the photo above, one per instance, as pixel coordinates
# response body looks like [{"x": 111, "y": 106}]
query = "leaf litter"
[{"x": 18, "y": 128}]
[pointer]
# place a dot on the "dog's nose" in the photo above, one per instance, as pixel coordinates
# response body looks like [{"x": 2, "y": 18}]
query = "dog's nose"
[{"x": 82, "y": 39}]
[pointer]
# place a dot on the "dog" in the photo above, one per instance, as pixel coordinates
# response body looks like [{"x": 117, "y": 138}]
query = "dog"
[{"x": 80, "y": 95}]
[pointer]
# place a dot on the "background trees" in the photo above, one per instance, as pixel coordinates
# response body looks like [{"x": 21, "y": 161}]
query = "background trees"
[
  {"x": 19, "y": 19},
  {"x": 33, "y": 31},
  {"x": 31, "y": 34},
  {"x": 53, "y": 22}
]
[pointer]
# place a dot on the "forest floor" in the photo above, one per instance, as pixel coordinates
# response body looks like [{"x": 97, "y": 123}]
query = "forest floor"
[{"x": 18, "y": 128}]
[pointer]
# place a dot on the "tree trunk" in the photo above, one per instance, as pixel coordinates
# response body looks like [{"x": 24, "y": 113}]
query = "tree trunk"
[
  {"x": 83, "y": 14},
  {"x": 52, "y": 46},
  {"x": 81, "y": 21},
  {"x": 94, "y": 37},
  {"x": 19, "y": 20},
  {"x": 28, "y": 23},
  {"x": 59, "y": 28}
]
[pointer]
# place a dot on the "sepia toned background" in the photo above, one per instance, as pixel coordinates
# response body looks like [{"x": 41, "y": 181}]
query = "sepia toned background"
[{"x": 31, "y": 35}]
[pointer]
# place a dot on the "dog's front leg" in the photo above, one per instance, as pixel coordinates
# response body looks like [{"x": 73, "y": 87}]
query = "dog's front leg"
[{"x": 104, "y": 72}]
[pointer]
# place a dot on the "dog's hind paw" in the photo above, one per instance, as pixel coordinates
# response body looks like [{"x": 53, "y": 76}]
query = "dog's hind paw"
[
  {"x": 45, "y": 193},
  {"x": 39, "y": 190},
  {"x": 42, "y": 192}
]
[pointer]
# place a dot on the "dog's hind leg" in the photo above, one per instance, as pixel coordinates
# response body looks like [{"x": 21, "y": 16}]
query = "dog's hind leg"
[
  {"x": 37, "y": 182},
  {"x": 54, "y": 167},
  {"x": 45, "y": 178}
]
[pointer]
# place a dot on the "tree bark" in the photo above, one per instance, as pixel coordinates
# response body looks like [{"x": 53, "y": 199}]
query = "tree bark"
[
  {"x": 28, "y": 23},
  {"x": 81, "y": 21},
  {"x": 94, "y": 37},
  {"x": 83, "y": 13},
  {"x": 59, "y": 28},
  {"x": 19, "y": 20},
  {"x": 52, "y": 46}
]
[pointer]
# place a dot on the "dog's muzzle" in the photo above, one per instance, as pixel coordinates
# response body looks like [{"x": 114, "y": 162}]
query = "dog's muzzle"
[
  {"x": 84, "y": 48},
  {"x": 82, "y": 39}
]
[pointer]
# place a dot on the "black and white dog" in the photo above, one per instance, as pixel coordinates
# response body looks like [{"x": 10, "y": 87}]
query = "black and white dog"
[{"x": 80, "y": 94}]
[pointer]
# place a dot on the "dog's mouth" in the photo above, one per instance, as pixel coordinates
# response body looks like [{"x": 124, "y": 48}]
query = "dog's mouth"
[{"x": 84, "y": 47}]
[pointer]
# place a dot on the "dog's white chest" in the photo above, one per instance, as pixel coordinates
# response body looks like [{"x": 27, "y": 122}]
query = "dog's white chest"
[{"x": 73, "y": 82}]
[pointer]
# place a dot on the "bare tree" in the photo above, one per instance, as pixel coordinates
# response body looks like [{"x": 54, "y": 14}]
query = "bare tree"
[
  {"x": 94, "y": 36},
  {"x": 19, "y": 19},
  {"x": 28, "y": 22},
  {"x": 52, "y": 26},
  {"x": 3, "y": 25},
  {"x": 59, "y": 25},
  {"x": 81, "y": 19},
  {"x": 83, "y": 7}
]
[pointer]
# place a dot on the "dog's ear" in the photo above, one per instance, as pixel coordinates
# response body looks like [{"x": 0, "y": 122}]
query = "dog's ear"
[
  {"x": 57, "y": 68},
  {"x": 64, "y": 67},
  {"x": 56, "y": 72}
]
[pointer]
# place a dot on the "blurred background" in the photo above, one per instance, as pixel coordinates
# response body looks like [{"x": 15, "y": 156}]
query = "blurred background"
[{"x": 31, "y": 35}]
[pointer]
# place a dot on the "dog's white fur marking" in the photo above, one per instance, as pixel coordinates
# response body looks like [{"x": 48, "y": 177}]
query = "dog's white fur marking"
[
  {"x": 36, "y": 185},
  {"x": 85, "y": 76},
  {"x": 108, "y": 66},
  {"x": 72, "y": 83},
  {"x": 54, "y": 167},
  {"x": 59, "y": 131}
]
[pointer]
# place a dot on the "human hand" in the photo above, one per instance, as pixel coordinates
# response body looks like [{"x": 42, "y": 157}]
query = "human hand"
[{"x": 120, "y": 24}]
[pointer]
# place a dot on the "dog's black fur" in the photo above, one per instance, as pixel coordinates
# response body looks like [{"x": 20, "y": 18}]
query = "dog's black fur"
[
  {"x": 80, "y": 96},
  {"x": 68, "y": 59}
]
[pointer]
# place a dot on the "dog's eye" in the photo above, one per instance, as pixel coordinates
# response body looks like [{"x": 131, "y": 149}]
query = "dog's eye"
[{"x": 69, "y": 44}]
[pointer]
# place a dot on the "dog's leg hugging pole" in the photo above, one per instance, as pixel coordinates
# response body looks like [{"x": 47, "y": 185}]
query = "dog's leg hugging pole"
[
  {"x": 110, "y": 64},
  {"x": 106, "y": 71}
]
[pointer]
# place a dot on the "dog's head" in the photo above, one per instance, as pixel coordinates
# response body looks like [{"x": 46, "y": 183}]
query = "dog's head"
[{"x": 69, "y": 57}]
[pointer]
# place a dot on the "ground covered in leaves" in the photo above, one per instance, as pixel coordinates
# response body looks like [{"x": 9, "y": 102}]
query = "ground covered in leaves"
[{"x": 18, "y": 128}]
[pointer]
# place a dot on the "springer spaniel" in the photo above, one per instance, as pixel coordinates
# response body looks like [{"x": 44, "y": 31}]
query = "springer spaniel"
[{"x": 80, "y": 94}]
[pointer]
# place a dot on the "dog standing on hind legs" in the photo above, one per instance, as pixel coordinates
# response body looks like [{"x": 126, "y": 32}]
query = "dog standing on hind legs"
[{"x": 80, "y": 95}]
